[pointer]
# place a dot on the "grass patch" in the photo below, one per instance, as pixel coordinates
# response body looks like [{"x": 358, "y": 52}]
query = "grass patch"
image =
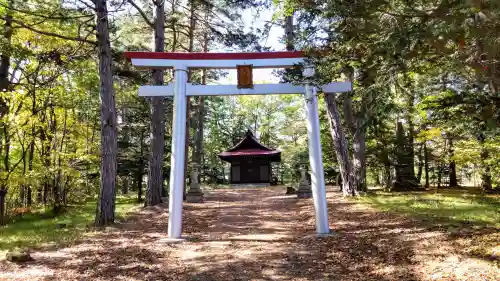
[
  {"x": 448, "y": 206},
  {"x": 39, "y": 229}
]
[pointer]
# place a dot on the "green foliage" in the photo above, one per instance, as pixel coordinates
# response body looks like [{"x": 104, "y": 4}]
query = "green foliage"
[
  {"x": 278, "y": 122},
  {"x": 468, "y": 154},
  {"x": 433, "y": 64},
  {"x": 50, "y": 119}
]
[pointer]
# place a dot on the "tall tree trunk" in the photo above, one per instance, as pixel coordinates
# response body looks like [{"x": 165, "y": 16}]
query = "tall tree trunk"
[
  {"x": 45, "y": 139},
  {"x": 155, "y": 174},
  {"x": 51, "y": 153},
  {"x": 410, "y": 150},
  {"x": 486, "y": 180},
  {"x": 22, "y": 188},
  {"x": 125, "y": 185},
  {"x": 4, "y": 86},
  {"x": 355, "y": 124},
  {"x": 3, "y": 193},
  {"x": 192, "y": 28},
  {"x": 105, "y": 213},
  {"x": 65, "y": 193},
  {"x": 39, "y": 195},
  {"x": 6, "y": 169},
  {"x": 126, "y": 139},
  {"x": 400, "y": 151},
  {"x": 387, "y": 168},
  {"x": 409, "y": 146},
  {"x": 57, "y": 183},
  {"x": 46, "y": 189},
  {"x": 6, "y": 158},
  {"x": 197, "y": 156},
  {"x": 42, "y": 190},
  {"x": 440, "y": 174},
  {"x": 289, "y": 33},
  {"x": 5, "y": 57},
  {"x": 140, "y": 171},
  {"x": 198, "y": 141},
  {"x": 426, "y": 165},
  {"x": 139, "y": 185},
  {"x": 452, "y": 164},
  {"x": 358, "y": 159},
  {"x": 173, "y": 26},
  {"x": 31, "y": 154},
  {"x": 53, "y": 182},
  {"x": 340, "y": 144},
  {"x": 46, "y": 160},
  {"x": 420, "y": 163}
]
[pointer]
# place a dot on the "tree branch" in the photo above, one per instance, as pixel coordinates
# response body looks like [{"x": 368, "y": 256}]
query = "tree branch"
[
  {"x": 88, "y": 5},
  {"x": 78, "y": 39},
  {"x": 51, "y": 17},
  {"x": 141, "y": 12},
  {"x": 13, "y": 168}
]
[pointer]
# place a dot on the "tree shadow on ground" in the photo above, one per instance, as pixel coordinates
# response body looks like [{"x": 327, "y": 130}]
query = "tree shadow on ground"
[{"x": 258, "y": 236}]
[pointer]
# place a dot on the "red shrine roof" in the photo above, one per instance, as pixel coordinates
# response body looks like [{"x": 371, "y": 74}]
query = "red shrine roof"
[{"x": 250, "y": 147}]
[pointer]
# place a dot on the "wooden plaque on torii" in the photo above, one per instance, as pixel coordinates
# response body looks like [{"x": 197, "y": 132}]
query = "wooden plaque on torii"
[{"x": 245, "y": 76}]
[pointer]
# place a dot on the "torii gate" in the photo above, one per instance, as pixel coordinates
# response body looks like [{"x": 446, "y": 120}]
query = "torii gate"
[{"x": 180, "y": 89}]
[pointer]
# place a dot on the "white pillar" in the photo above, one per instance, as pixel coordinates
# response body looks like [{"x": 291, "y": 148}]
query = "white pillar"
[
  {"x": 178, "y": 155},
  {"x": 315, "y": 157}
]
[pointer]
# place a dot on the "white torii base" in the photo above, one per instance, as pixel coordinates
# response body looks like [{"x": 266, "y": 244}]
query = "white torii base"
[{"x": 182, "y": 62}]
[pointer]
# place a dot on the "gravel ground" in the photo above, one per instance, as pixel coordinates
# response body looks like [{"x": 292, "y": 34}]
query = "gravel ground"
[{"x": 261, "y": 234}]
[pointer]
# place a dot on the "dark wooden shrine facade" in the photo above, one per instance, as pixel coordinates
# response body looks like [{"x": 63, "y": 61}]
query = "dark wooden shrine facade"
[{"x": 250, "y": 161}]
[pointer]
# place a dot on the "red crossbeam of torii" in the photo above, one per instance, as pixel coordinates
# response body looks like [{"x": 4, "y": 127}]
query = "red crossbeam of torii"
[{"x": 214, "y": 56}]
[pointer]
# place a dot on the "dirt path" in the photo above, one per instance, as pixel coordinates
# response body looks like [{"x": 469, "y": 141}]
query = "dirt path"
[{"x": 260, "y": 234}]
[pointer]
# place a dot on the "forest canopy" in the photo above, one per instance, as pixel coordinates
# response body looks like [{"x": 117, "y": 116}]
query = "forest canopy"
[{"x": 424, "y": 111}]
